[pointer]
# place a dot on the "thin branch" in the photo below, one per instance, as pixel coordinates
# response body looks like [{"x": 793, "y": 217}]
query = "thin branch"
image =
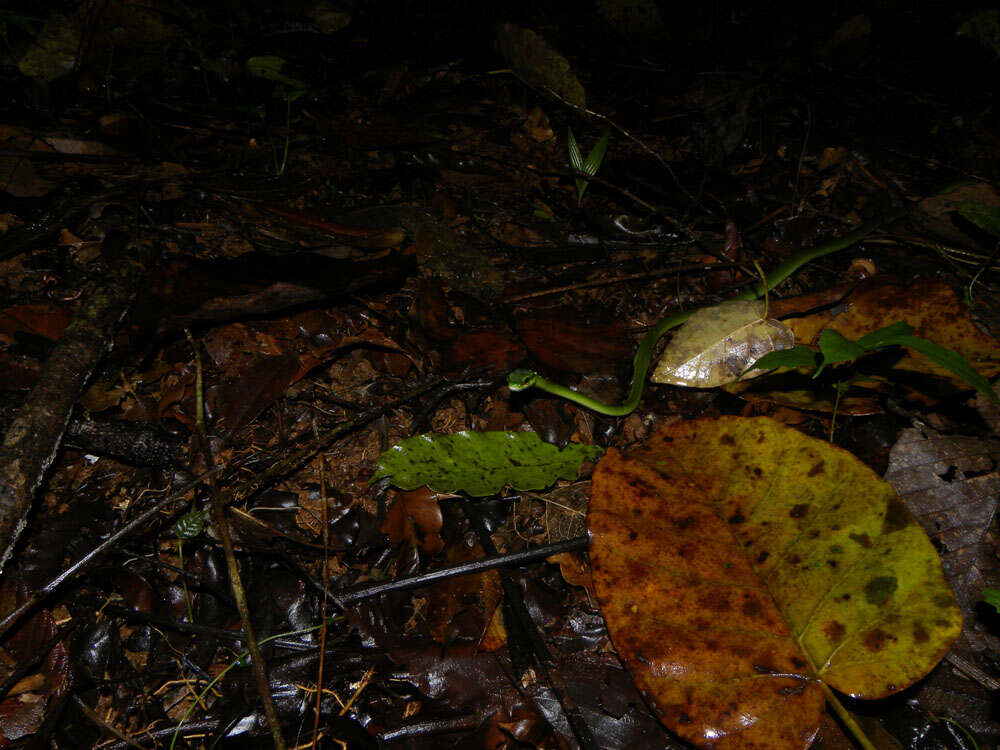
[
  {"x": 243, "y": 491},
  {"x": 218, "y": 508},
  {"x": 88, "y": 559},
  {"x": 365, "y": 591}
]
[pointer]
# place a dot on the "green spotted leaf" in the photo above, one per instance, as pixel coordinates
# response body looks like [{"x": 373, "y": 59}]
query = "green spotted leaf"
[
  {"x": 190, "y": 524},
  {"x": 480, "y": 463}
]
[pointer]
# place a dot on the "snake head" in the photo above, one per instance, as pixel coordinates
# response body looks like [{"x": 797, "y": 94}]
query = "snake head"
[{"x": 520, "y": 380}]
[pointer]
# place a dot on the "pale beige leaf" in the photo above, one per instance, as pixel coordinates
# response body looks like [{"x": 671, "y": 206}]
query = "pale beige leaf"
[{"x": 719, "y": 343}]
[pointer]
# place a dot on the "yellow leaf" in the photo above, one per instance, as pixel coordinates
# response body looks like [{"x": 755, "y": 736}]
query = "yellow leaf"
[{"x": 738, "y": 562}]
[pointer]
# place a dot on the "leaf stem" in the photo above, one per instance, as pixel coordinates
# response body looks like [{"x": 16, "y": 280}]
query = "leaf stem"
[{"x": 846, "y": 719}]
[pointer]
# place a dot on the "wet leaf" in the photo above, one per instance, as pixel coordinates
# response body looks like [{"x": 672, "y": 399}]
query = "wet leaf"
[
  {"x": 480, "y": 463},
  {"x": 564, "y": 340},
  {"x": 720, "y": 343},
  {"x": 415, "y": 517},
  {"x": 462, "y": 607},
  {"x": 483, "y": 350},
  {"x": 737, "y": 560}
]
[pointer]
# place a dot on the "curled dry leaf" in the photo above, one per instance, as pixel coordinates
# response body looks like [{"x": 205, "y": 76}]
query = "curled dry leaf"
[
  {"x": 719, "y": 343},
  {"x": 739, "y": 562},
  {"x": 415, "y": 517}
]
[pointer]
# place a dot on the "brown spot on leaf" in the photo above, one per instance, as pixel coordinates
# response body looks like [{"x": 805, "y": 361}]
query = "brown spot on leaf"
[
  {"x": 736, "y": 518},
  {"x": 896, "y": 516},
  {"x": 943, "y": 601},
  {"x": 762, "y": 557},
  {"x": 879, "y": 589},
  {"x": 727, "y": 439},
  {"x": 877, "y": 639},
  {"x": 816, "y": 470},
  {"x": 834, "y": 631},
  {"x": 920, "y": 634},
  {"x": 713, "y": 603},
  {"x": 799, "y": 510},
  {"x": 863, "y": 539}
]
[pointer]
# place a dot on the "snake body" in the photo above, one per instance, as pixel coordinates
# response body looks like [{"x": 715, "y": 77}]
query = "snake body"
[{"x": 520, "y": 380}]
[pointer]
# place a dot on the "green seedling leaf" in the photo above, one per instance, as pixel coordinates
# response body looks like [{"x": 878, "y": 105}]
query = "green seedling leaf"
[
  {"x": 588, "y": 166},
  {"x": 576, "y": 161},
  {"x": 190, "y": 524},
  {"x": 480, "y": 463},
  {"x": 878, "y": 338},
  {"x": 836, "y": 349},
  {"x": 575, "y": 157},
  {"x": 949, "y": 359},
  {"x": 269, "y": 68},
  {"x": 797, "y": 356},
  {"x": 992, "y": 597},
  {"x": 596, "y": 155}
]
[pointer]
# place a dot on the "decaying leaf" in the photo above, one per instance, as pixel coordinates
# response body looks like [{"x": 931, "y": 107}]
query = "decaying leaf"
[
  {"x": 415, "y": 518},
  {"x": 480, "y": 463},
  {"x": 719, "y": 343},
  {"x": 537, "y": 64},
  {"x": 932, "y": 309},
  {"x": 738, "y": 562}
]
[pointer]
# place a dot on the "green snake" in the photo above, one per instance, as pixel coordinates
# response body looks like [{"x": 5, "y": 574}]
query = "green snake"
[{"x": 520, "y": 380}]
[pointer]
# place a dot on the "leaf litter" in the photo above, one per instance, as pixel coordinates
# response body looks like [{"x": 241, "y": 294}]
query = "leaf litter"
[{"x": 462, "y": 245}]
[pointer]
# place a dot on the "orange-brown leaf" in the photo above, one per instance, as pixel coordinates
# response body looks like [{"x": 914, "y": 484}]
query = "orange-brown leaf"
[
  {"x": 738, "y": 562},
  {"x": 698, "y": 630},
  {"x": 415, "y": 517}
]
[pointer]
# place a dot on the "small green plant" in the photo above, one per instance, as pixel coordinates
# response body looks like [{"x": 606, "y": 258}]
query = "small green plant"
[
  {"x": 240, "y": 661},
  {"x": 588, "y": 166},
  {"x": 835, "y": 349},
  {"x": 188, "y": 526},
  {"x": 269, "y": 68},
  {"x": 992, "y": 597}
]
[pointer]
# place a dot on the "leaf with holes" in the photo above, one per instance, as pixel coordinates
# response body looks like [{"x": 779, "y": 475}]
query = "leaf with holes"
[
  {"x": 481, "y": 463},
  {"x": 738, "y": 563},
  {"x": 719, "y": 344}
]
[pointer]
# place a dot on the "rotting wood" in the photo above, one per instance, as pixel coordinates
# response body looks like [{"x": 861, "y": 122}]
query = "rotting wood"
[{"x": 34, "y": 435}]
